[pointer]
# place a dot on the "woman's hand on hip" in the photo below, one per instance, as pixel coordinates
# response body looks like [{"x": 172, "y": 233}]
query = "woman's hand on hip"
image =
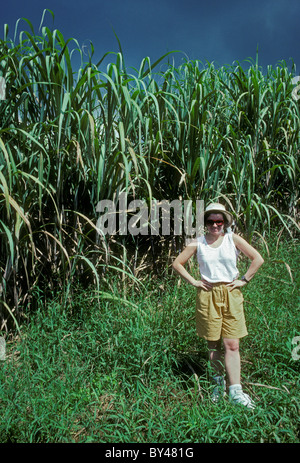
[
  {"x": 202, "y": 284},
  {"x": 236, "y": 284}
]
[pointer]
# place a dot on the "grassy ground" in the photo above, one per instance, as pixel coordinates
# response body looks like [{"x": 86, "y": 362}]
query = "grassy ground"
[{"x": 112, "y": 372}]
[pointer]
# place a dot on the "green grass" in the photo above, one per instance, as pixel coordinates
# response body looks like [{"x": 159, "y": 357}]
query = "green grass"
[
  {"x": 124, "y": 364},
  {"x": 113, "y": 372}
]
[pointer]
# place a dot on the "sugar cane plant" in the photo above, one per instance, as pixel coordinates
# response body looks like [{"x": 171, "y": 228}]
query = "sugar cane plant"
[{"x": 69, "y": 138}]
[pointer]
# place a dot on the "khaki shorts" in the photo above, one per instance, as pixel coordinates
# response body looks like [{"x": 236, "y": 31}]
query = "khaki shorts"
[{"x": 220, "y": 313}]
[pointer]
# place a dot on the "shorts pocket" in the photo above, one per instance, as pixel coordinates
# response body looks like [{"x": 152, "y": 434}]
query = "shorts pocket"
[
  {"x": 237, "y": 294},
  {"x": 236, "y": 303}
]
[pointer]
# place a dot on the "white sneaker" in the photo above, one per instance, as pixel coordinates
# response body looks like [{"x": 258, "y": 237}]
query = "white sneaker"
[{"x": 237, "y": 396}]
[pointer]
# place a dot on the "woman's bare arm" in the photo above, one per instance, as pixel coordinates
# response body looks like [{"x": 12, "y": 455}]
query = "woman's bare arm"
[
  {"x": 181, "y": 260},
  {"x": 252, "y": 254}
]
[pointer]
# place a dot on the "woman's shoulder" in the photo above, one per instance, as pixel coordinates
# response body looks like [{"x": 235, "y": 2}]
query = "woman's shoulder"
[
  {"x": 200, "y": 239},
  {"x": 201, "y": 244},
  {"x": 240, "y": 243},
  {"x": 237, "y": 239},
  {"x": 195, "y": 241}
]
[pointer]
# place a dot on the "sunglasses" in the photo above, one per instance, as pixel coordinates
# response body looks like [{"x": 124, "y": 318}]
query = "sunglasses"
[{"x": 217, "y": 222}]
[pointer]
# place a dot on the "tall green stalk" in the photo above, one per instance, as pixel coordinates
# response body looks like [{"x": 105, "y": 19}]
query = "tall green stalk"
[{"x": 69, "y": 139}]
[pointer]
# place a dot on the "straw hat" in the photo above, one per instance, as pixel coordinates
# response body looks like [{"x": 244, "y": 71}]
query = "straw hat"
[{"x": 217, "y": 208}]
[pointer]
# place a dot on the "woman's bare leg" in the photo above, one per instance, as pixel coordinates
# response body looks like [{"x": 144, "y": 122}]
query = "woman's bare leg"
[
  {"x": 232, "y": 360},
  {"x": 215, "y": 357}
]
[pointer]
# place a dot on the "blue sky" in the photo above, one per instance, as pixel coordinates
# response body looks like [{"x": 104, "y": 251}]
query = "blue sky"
[{"x": 212, "y": 30}]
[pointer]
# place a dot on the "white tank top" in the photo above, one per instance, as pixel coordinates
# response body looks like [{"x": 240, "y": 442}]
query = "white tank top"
[{"x": 218, "y": 264}]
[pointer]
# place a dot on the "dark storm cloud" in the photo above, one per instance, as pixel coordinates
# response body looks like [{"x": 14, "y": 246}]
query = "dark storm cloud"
[{"x": 212, "y": 30}]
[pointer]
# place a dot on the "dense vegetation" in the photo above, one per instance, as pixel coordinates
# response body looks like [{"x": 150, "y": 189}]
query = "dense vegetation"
[
  {"x": 72, "y": 137},
  {"x": 69, "y": 139}
]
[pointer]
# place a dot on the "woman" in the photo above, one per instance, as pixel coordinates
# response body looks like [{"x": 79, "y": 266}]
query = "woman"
[{"x": 219, "y": 306}]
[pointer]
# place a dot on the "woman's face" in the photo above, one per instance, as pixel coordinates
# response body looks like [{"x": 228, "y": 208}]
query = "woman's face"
[{"x": 215, "y": 224}]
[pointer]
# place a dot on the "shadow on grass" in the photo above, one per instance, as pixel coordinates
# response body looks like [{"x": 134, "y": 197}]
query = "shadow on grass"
[{"x": 187, "y": 366}]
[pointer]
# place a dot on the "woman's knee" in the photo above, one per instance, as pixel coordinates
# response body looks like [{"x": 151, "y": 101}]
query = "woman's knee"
[{"x": 231, "y": 345}]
